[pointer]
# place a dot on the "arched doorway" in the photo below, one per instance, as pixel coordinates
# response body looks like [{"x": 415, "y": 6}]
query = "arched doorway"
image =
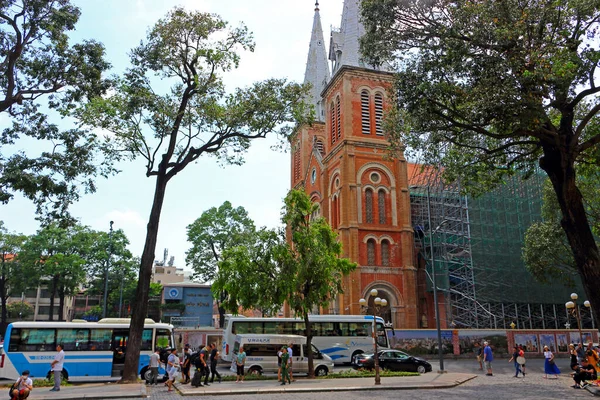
[{"x": 384, "y": 312}]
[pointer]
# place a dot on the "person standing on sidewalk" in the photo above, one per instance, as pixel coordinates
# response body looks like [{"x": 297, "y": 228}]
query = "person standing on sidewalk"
[
  {"x": 57, "y": 367},
  {"x": 488, "y": 357},
  {"x": 240, "y": 361},
  {"x": 290, "y": 354},
  {"x": 479, "y": 354},
  {"x": 154, "y": 361},
  {"x": 204, "y": 355},
  {"x": 173, "y": 368},
  {"x": 550, "y": 367},
  {"x": 214, "y": 358},
  {"x": 185, "y": 369},
  {"x": 285, "y": 357}
]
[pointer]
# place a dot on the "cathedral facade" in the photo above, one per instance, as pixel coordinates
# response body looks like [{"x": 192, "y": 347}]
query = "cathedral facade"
[{"x": 343, "y": 162}]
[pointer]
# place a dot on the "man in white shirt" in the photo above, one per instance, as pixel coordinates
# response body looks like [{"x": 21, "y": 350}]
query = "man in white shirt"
[
  {"x": 57, "y": 367},
  {"x": 23, "y": 387},
  {"x": 154, "y": 362}
]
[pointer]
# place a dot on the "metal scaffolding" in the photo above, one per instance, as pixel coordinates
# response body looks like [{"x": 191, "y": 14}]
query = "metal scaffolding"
[{"x": 477, "y": 244}]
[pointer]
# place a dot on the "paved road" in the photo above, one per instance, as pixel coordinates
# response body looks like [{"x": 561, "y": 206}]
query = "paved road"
[{"x": 498, "y": 387}]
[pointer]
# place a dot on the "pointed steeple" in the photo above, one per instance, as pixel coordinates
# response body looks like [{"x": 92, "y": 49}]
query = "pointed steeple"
[
  {"x": 344, "y": 48},
  {"x": 317, "y": 69}
]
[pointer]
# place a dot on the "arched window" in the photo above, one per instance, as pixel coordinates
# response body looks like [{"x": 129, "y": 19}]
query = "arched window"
[
  {"x": 369, "y": 205},
  {"x": 378, "y": 113},
  {"x": 365, "y": 112},
  {"x": 338, "y": 118},
  {"x": 385, "y": 253},
  {"x": 371, "y": 252},
  {"x": 381, "y": 206},
  {"x": 333, "y": 124}
]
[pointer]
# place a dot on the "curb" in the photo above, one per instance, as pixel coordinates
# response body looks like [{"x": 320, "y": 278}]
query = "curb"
[
  {"x": 277, "y": 390},
  {"x": 595, "y": 390}
]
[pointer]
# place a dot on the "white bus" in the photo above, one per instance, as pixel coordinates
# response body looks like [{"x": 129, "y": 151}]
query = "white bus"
[
  {"x": 341, "y": 337},
  {"x": 94, "y": 351}
]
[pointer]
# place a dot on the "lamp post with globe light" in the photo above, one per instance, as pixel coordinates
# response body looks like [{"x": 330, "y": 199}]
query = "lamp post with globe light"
[
  {"x": 573, "y": 309},
  {"x": 378, "y": 303}
]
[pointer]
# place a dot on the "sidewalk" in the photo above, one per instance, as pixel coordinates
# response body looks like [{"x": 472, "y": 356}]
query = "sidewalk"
[
  {"x": 430, "y": 380},
  {"x": 92, "y": 391}
]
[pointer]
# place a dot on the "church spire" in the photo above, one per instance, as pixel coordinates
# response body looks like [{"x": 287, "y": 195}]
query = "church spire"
[
  {"x": 344, "y": 48},
  {"x": 317, "y": 69}
]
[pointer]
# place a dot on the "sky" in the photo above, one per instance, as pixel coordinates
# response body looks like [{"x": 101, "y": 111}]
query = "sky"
[{"x": 282, "y": 30}]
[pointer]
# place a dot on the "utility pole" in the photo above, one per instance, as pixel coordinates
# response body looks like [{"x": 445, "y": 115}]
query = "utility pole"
[{"x": 107, "y": 268}]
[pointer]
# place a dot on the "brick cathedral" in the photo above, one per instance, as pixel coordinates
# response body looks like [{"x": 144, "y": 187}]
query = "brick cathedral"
[{"x": 342, "y": 161}]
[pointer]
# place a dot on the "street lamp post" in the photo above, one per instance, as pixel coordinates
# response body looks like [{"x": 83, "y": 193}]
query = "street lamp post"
[
  {"x": 107, "y": 268},
  {"x": 573, "y": 309},
  {"x": 378, "y": 303}
]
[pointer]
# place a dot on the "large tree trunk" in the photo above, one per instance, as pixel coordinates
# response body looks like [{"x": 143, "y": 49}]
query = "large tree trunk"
[
  {"x": 61, "y": 303},
  {"x": 561, "y": 171},
  {"x": 3, "y": 297},
  {"x": 309, "y": 353},
  {"x": 140, "y": 308},
  {"x": 53, "y": 285}
]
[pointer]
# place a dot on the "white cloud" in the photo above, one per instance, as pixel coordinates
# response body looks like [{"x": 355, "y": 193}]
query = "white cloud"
[{"x": 131, "y": 218}]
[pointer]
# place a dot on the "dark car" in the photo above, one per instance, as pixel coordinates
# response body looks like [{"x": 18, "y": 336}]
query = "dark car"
[{"x": 393, "y": 360}]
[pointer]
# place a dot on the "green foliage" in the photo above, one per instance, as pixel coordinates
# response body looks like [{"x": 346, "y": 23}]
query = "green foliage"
[
  {"x": 546, "y": 251},
  {"x": 313, "y": 259},
  {"x": 217, "y": 230},
  {"x": 252, "y": 274},
  {"x": 365, "y": 374},
  {"x": 38, "y": 64},
  {"x": 19, "y": 309},
  {"x": 95, "y": 311}
]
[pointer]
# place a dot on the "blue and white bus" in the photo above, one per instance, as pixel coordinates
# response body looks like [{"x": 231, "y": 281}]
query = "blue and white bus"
[
  {"x": 341, "y": 337},
  {"x": 94, "y": 351}
]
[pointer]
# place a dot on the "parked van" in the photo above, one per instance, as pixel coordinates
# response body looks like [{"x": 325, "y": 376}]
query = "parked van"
[{"x": 261, "y": 354}]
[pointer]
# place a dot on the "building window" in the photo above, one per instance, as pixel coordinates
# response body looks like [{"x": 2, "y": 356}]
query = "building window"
[
  {"x": 371, "y": 252},
  {"x": 381, "y": 206},
  {"x": 385, "y": 253},
  {"x": 338, "y": 117},
  {"x": 369, "y": 205},
  {"x": 365, "y": 114},
  {"x": 379, "y": 113},
  {"x": 297, "y": 165},
  {"x": 333, "y": 124},
  {"x": 320, "y": 147}
]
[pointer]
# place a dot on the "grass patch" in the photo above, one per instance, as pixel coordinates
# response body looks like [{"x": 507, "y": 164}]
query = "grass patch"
[
  {"x": 39, "y": 382},
  {"x": 366, "y": 374}
]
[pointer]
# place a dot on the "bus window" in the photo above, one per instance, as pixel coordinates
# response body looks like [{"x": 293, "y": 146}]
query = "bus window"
[
  {"x": 146, "y": 339},
  {"x": 270, "y": 327},
  {"x": 100, "y": 339},
  {"x": 286, "y": 328},
  {"x": 241, "y": 328},
  {"x": 37, "y": 340},
  {"x": 163, "y": 339},
  {"x": 261, "y": 350},
  {"x": 73, "y": 339}
]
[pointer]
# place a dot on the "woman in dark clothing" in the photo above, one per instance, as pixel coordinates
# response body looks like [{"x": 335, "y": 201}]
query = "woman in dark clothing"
[{"x": 573, "y": 353}]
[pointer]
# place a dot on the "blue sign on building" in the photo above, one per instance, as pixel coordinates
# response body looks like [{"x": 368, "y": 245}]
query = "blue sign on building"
[{"x": 197, "y": 298}]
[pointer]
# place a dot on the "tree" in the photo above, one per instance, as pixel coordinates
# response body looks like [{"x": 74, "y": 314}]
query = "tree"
[
  {"x": 37, "y": 62},
  {"x": 252, "y": 275},
  {"x": 490, "y": 88},
  {"x": 11, "y": 275},
  {"x": 313, "y": 262},
  {"x": 217, "y": 230},
  {"x": 55, "y": 257},
  {"x": 189, "y": 50},
  {"x": 546, "y": 251}
]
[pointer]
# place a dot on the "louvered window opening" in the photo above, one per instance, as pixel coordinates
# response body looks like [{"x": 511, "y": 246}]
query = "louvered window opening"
[
  {"x": 338, "y": 118},
  {"x": 378, "y": 114},
  {"x": 370, "y": 252},
  {"x": 385, "y": 253},
  {"x": 365, "y": 114},
  {"x": 297, "y": 165},
  {"x": 369, "y": 205},
  {"x": 381, "y": 204},
  {"x": 320, "y": 147},
  {"x": 333, "y": 124}
]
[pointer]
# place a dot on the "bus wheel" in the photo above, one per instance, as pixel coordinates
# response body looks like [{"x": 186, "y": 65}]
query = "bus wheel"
[
  {"x": 255, "y": 370},
  {"x": 357, "y": 352},
  {"x": 146, "y": 374},
  {"x": 321, "y": 371}
]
